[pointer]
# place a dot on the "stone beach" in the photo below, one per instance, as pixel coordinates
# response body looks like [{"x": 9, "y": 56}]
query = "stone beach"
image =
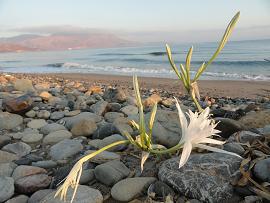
[{"x": 48, "y": 122}]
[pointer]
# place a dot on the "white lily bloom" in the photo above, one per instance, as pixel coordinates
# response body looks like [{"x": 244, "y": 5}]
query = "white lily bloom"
[{"x": 197, "y": 133}]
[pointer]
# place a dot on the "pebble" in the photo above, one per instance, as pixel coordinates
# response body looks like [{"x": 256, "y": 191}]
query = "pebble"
[
  {"x": 9, "y": 121},
  {"x": 18, "y": 148},
  {"x": 32, "y": 138},
  {"x": 103, "y": 157},
  {"x": 57, "y": 115},
  {"x": 130, "y": 188},
  {"x": 111, "y": 172},
  {"x": 84, "y": 128},
  {"x": 18, "y": 199},
  {"x": 56, "y": 136},
  {"x": 84, "y": 194},
  {"x": 65, "y": 149},
  {"x": 36, "y": 123},
  {"x": 6, "y": 157},
  {"x": 261, "y": 170},
  {"x": 99, "y": 108},
  {"x": 130, "y": 110},
  {"x": 52, "y": 127},
  {"x": 6, "y": 188},
  {"x": 6, "y": 169}
]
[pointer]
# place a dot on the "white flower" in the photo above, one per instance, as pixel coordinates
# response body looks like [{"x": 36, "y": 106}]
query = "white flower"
[{"x": 197, "y": 133}]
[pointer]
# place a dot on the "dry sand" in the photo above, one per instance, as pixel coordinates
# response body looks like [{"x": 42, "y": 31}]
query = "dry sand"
[{"x": 213, "y": 88}]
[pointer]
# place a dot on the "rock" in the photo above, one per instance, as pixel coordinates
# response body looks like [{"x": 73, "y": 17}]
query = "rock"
[
  {"x": 261, "y": 170},
  {"x": 18, "y": 105},
  {"x": 130, "y": 188},
  {"x": 159, "y": 190},
  {"x": 227, "y": 126},
  {"x": 70, "y": 121},
  {"x": 255, "y": 119},
  {"x": 37, "y": 123},
  {"x": 18, "y": 148},
  {"x": 103, "y": 157},
  {"x": 95, "y": 89},
  {"x": 205, "y": 177},
  {"x": 57, "y": 115},
  {"x": 115, "y": 95},
  {"x": 166, "y": 130},
  {"x": 244, "y": 137},
  {"x": 65, "y": 148},
  {"x": 6, "y": 169},
  {"x": 31, "y": 114},
  {"x": 18, "y": 199},
  {"x": 43, "y": 114},
  {"x": 72, "y": 113},
  {"x": 130, "y": 110},
  {"x": 52, "y": 127},
  {"x": 105, "y": 131},
  {"x": 151, "y": 101},
  {"x": 111, "y": 116},
  {"x": 84, "y": 128},
  {"x": 9, "y": 121},
  {"x": 6, "y": 188},
  {"x": 48, "y": 164},
  {"x": 114, "y": 106},
  {"x": 234, "y": 147},
  {"x": 39, "y": 195},
  {"x": 84, "y": 194},
  {"x": 23, "y": 171},
  {"x": 56, "y": 136},
  {"x": 32, "y": 138},
  {"x": 24, "y": 85},
  {"x": 45, "y": 95},
  {"x": 168, "y": 102},
  {"x": 87, "y": 176},
  {"x": 99, "y": 108},
  {"x": 263, "y": 131},
  {"x": 111, "y": 139},
  {"x": 6, "y": 157},
  {"x": 4, "y": 140},
  {"x": 33, "y": 183},
  {"x": 111, "y": 172}
]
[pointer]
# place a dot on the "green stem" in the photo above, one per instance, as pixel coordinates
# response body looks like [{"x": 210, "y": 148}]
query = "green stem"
[
  {"x": 89, "y": 156},
  {"x": 166, "y": 151},
  {"x": 196, "y": 102}
]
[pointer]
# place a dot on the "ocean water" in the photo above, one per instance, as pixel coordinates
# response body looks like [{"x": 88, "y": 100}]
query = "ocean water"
[{"x": 239, "y": 60}]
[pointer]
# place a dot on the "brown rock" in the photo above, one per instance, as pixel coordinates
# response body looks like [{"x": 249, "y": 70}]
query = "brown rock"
[
  {"x": 95, "y": 90},
  {"x": 45, "y": 95},
  {"x": 33, "y": 183},
  {"x": 150, "y": 101},
  {"x": 84, "y": 128},
  {"x": 18, "y": 105},
  {"x": 24, "y": 85},
  {"x": 255, "y": 119},
  {"x": 23, "y": 171}
]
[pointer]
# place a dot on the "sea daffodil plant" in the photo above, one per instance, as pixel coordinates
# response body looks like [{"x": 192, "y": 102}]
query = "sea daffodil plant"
[
  {"x": 184, "y": 75},
  {"x": 198, "y": 131}
]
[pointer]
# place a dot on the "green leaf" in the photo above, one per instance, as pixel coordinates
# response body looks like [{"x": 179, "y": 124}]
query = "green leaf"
[
  {"x": 169, "y": 54},
  {"x": 188, "y": 61},
  {"x": 224, "y": 40},
  {"x": 199, "y": 72},
  {"x": 152, "y": 119}
]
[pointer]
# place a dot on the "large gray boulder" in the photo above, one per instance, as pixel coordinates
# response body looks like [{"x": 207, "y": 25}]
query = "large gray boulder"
[{"x": 205, "y": 177}]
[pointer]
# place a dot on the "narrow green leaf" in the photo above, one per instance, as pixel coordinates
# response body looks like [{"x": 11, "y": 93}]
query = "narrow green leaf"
[
  {"x": 174, "y": 67},
  {"x": 188, "y": 61},
  {"x": 152, "y": 119},
  {"x": 224, "y": 40},
  {"x": 199, "y": 72}
]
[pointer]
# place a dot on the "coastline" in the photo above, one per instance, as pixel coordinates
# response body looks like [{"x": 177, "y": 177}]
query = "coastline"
[{"x": 212, "y": 88}]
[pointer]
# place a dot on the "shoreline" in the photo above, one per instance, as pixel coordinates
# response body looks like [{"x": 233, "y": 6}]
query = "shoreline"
[{"x": 212, "y": 88}]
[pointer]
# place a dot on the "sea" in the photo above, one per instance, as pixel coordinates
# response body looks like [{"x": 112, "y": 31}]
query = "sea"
[{"x": 239, "y": 60}]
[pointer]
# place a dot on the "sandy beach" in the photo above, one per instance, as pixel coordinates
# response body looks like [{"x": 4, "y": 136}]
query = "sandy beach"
[{"x": 213, "y": 88}]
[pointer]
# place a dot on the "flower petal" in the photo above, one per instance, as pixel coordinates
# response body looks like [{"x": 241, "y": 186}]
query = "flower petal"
[
  {"x": 185, "y": 154},
  {"x": 213, "y": 149},
  {"x": 211, "y": 141},
  {"x": 182, "y": 119}
]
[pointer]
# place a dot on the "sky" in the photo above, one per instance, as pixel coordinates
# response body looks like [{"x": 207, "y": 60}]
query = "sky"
[{"x": 138, "y": 20}]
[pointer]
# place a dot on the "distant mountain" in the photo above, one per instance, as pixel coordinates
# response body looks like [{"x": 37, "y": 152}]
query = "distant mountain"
[{"x": 61, "y": 41}]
